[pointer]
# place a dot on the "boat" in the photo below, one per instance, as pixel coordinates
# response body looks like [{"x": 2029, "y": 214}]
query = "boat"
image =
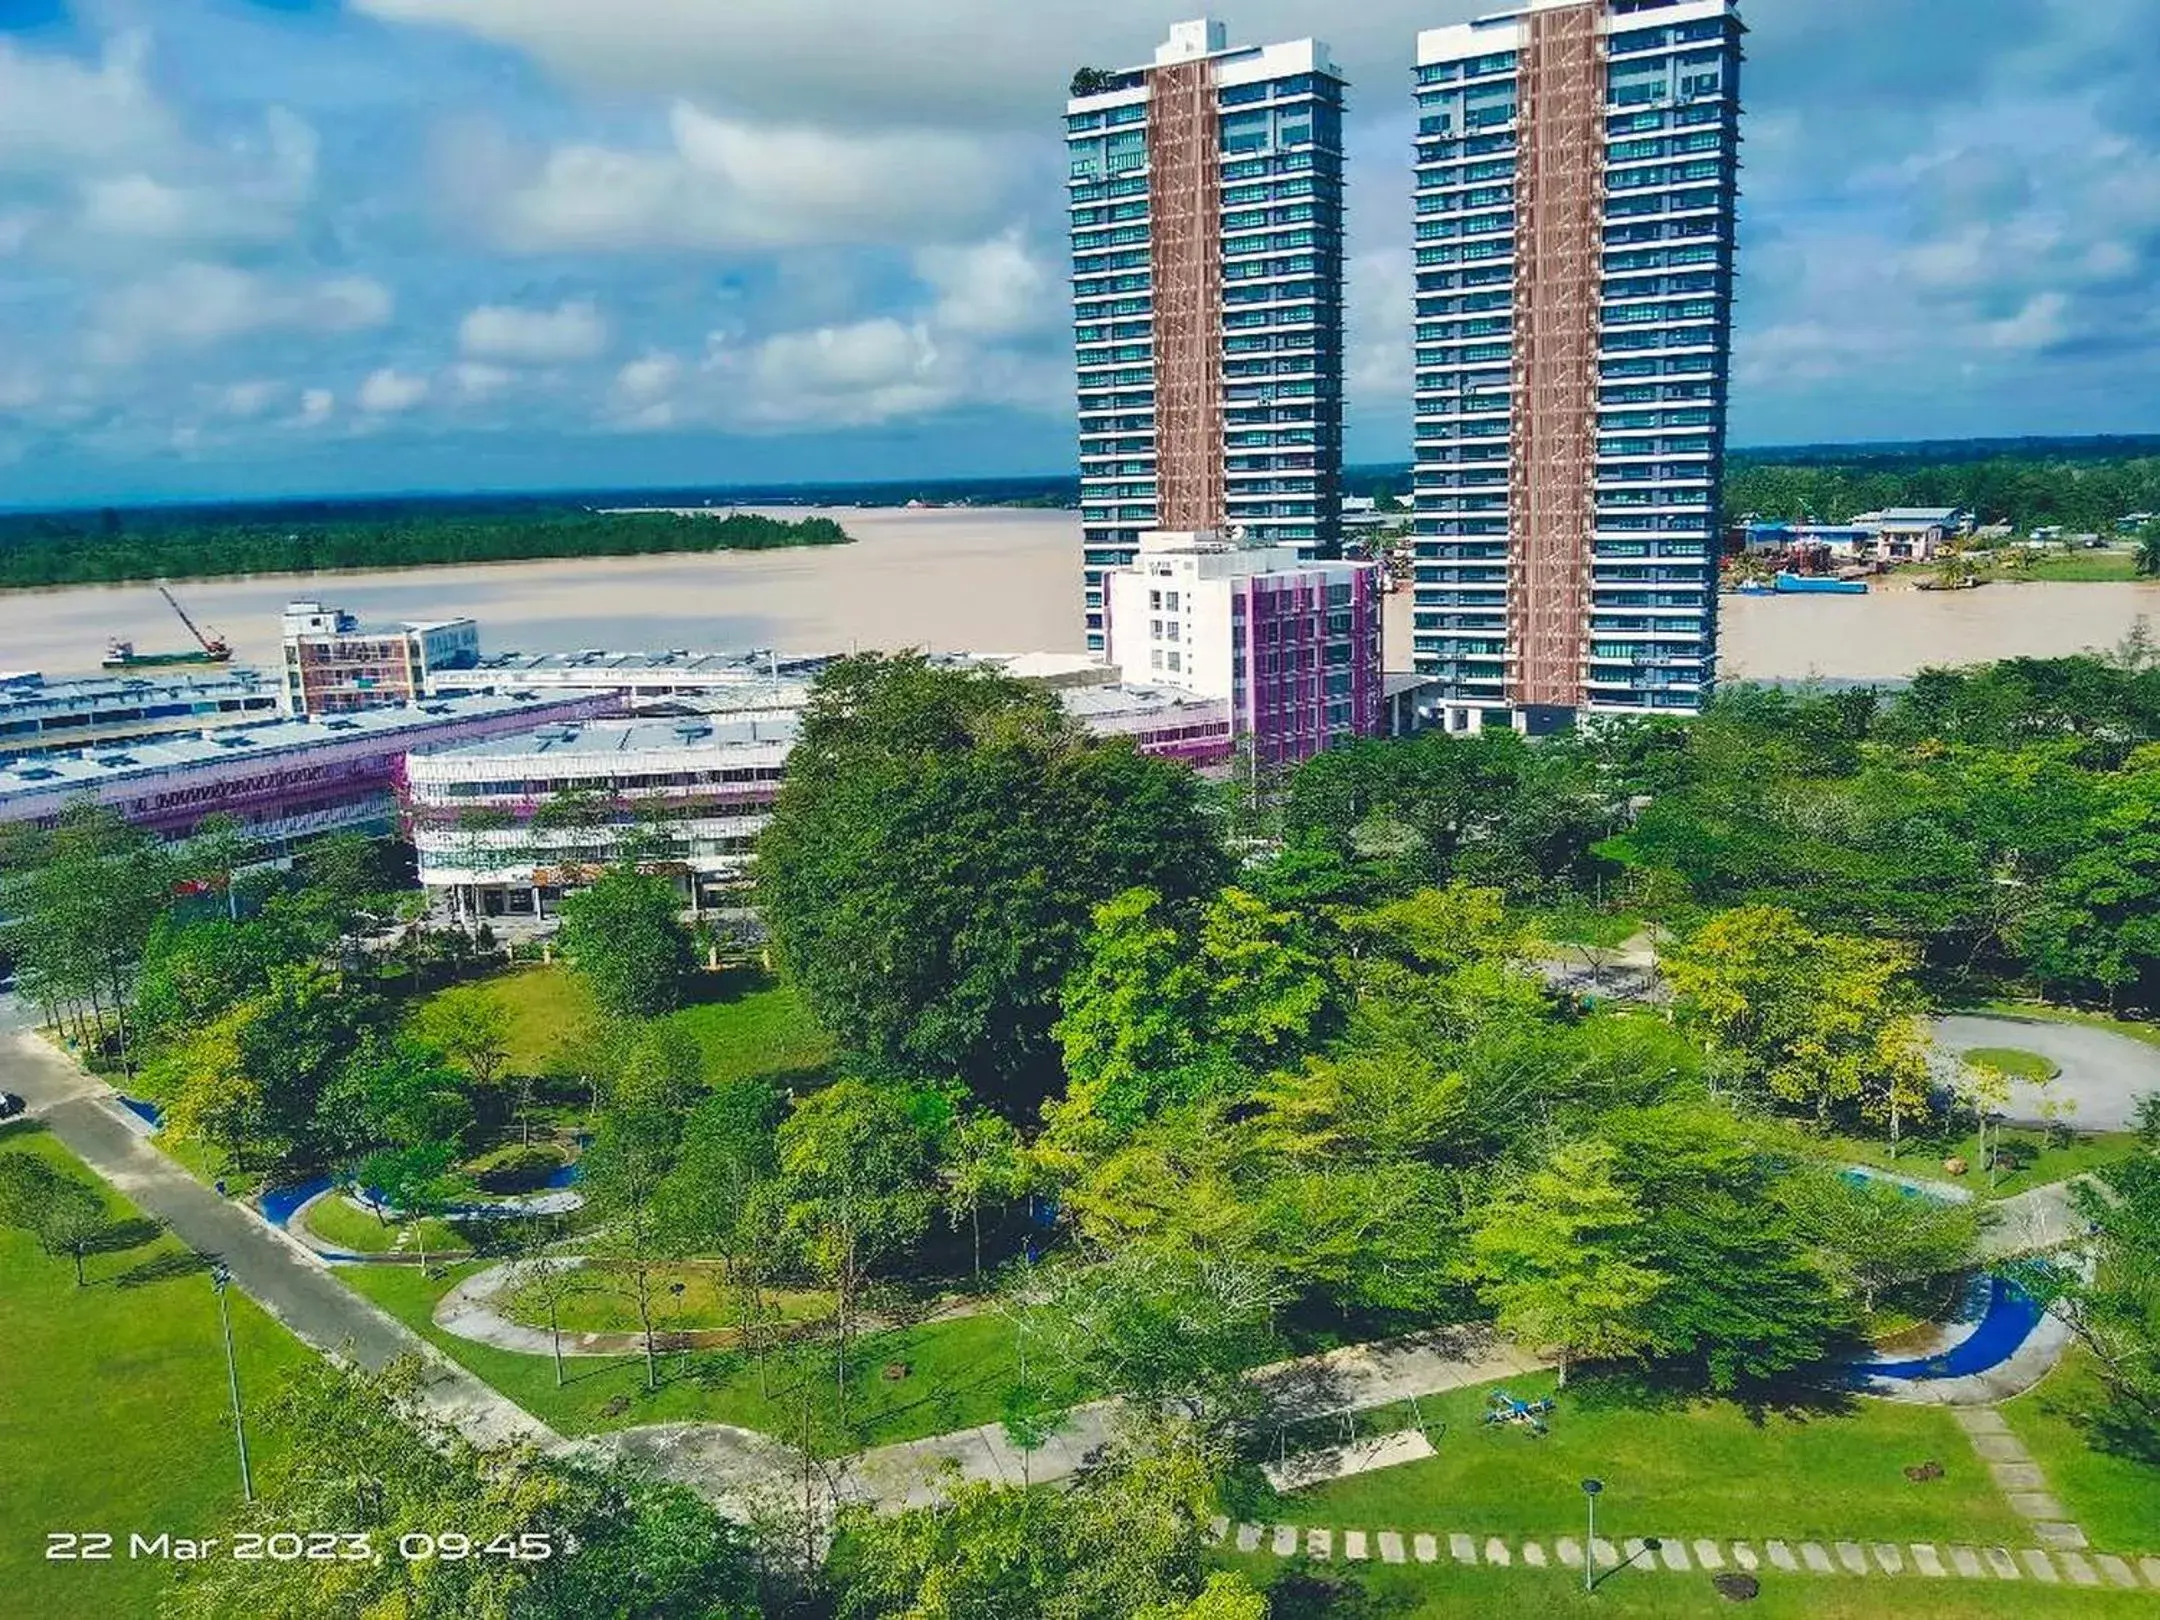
[
  {"x": 122, "y": 655},
  {"x": 209, "y": 649},
  {"x": 1819, "y": 585}
]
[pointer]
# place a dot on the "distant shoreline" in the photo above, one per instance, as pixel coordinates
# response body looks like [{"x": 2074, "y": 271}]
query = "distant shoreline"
[{"x": 51, "y": 558}]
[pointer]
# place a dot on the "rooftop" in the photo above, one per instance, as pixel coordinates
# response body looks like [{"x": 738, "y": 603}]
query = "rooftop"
[
  {"x": 91, "y": 768},
  {"x": 615, "y": 739},
  {"x": 754, "y": 664},
  {"x": 29, "y": 691}
]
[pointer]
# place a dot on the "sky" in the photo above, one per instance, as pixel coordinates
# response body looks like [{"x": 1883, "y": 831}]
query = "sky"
[{"x": 259, "y": 247}]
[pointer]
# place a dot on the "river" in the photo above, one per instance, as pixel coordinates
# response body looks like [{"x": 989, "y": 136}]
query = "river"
[{"x": 984, "y": 579}]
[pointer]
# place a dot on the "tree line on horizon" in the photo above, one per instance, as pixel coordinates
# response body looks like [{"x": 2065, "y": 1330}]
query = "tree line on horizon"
[{"x": 101, "y": 548}]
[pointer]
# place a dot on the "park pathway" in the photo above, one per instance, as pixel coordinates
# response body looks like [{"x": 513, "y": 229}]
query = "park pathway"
[
  {"x": 2103, "y": 1073},
  {"x": 271, "y": 1269},
  {"x": 1647, "y": 1555},
  {"x": 2018, "y": 1477}
]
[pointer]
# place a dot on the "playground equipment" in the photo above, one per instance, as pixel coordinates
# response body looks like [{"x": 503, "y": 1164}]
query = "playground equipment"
[{"x": 1502, "y": 1408}]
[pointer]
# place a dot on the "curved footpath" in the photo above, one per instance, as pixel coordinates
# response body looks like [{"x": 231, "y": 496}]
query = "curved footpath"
[{"x": 2103, "y": 1073}]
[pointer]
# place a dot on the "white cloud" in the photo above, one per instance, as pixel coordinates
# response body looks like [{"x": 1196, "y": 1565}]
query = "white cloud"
[
  {"x": 867, "y": 372},
  {"x": 2039, "y": 324},
  {"x": 894, "y": 62},
  {"x": 573, "y": 330},
  {"x": 480, "y": 379},
  {"x": 316, "y": 404},
  {"x": 991, "y": 289},
  {"x": 1379, "y": 292},
  {"x": 248, "y": 399},
  {"x": 389, "y": 391},
  {"x": 723, "y": 183},
  {"x": 196, "y": 305},
  {"x": 138, "y": 205},
  {"x": 58, "y": 114},
  {"x": 19, "y": 390},
  {"x": 648, "y": 377}
]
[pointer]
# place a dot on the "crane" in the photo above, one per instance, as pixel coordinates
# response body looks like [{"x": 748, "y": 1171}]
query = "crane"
[{"x": 215, "y": 646}]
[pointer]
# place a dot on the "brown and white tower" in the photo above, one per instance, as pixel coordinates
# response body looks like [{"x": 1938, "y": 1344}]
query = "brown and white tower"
[
  {"x": 1206, "y": 198},
  {"x": 1577, "y": 170}
]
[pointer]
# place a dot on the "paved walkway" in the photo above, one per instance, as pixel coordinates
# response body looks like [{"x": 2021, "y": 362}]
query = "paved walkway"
[
  {"x": 2033, "y": 1222},
  {"x": 2018, "y": 1477},
  {"x": 2102, "y": 1072},
  {"x": 914, "y": 1473},
  {"x": 276, "y": 1272},
  {"x": 1680, "y": 1555}
]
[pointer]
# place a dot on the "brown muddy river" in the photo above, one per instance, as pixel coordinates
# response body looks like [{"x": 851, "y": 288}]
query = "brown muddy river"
[{"x": 987, "y": 580}]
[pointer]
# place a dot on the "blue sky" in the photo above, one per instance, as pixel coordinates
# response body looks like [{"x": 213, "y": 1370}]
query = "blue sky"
[{"x": 272, "y": 246}]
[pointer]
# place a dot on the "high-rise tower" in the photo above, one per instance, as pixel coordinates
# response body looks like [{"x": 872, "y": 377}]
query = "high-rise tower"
[
  {"x": 1206, "y": 199},
  {"x": 1576, "y": 178}
]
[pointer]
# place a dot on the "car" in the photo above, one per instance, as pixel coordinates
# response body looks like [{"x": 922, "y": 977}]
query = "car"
[{"x": 11, "y": 1105}]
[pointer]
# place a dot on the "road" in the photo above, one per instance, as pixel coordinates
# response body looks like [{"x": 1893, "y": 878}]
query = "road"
[
  {"x": 267, "y": 1266},
  {"x": 2103, "y": 1074}
]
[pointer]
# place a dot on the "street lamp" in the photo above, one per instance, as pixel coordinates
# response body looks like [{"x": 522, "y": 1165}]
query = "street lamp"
[
  {"x": 1590, "y": 1489},
  {"x": 219, "y": 1278}
]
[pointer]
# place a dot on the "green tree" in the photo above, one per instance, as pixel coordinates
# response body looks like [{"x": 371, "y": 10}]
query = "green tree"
[
  {"x": 627, "y": 1169},
  {"x": 984, "y": 1163},
  {"x": 1124, "y": 1542},
  {"x": 1876, "y": 1238},
  {"x": 64, "y": 1214},
  {"x": 1165, "y": 1009},
  {"x": 2115, "y": 1313},
  {"x": 254, "y": 1082},
  {"x": 2148, "y": 551},
  {"x": 626, "y": 938},
  {"x": 2097, "y": 924},
  {"x": 858, "y": 1161},
  {"x": 1746, "y": 1297},
  {"x": 377, "y": 1464},
  {"x": 1557, "y": 1256},
  {"x": 723, "y": 1197},
  {"x": 472, "y": 1026},
  {"x": 1162, "y": 1327},
  {"x": 349, "y": 888},
  {"x": 81, "y": 910},
  {"x": 420, "y": 1181},
  {"x": 936, "y": 854},
  {"x": 1823, "y": 1019}
]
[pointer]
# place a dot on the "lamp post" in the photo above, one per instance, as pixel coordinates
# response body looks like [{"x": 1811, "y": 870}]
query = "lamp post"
[
  {"x": 1590, "y": 1489},
  {"x": 219, "y": 1278}
]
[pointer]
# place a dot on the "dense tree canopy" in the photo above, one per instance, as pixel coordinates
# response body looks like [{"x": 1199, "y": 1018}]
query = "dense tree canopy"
[{"x": 936, "y": 854}]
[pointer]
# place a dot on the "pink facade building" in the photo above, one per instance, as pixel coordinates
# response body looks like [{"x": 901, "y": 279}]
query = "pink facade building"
[{"x": 1292, "y": 646}]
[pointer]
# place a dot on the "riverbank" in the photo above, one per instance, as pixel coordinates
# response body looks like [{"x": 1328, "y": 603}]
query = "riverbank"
[
  {"x": 985, "y": 579},
  {"x": 980, "y": 578}
]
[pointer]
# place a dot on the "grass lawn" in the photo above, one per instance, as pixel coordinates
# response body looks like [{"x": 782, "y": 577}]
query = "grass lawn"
[
  {"x": 2116, "y": 1499},
  {"x": 2015, "y": 1061},
  {"x": 960, "y": 1369},
  {"x": 338, "y": 1223},
  {"x": 113, "y": 1408},
  {"x": 748, "y": 1024},
  {"x": 2079, "y": 567},
  {"x": 1447, "y": 1591},
  {"x": 606, "y": 1303},
  {"x": 1676, "y": 1466},
  {"x": 1923, "y": 1158}
]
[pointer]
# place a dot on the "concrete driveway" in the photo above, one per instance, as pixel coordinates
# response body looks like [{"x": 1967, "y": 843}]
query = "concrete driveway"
[{"x": 2103, "y": 1073}]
